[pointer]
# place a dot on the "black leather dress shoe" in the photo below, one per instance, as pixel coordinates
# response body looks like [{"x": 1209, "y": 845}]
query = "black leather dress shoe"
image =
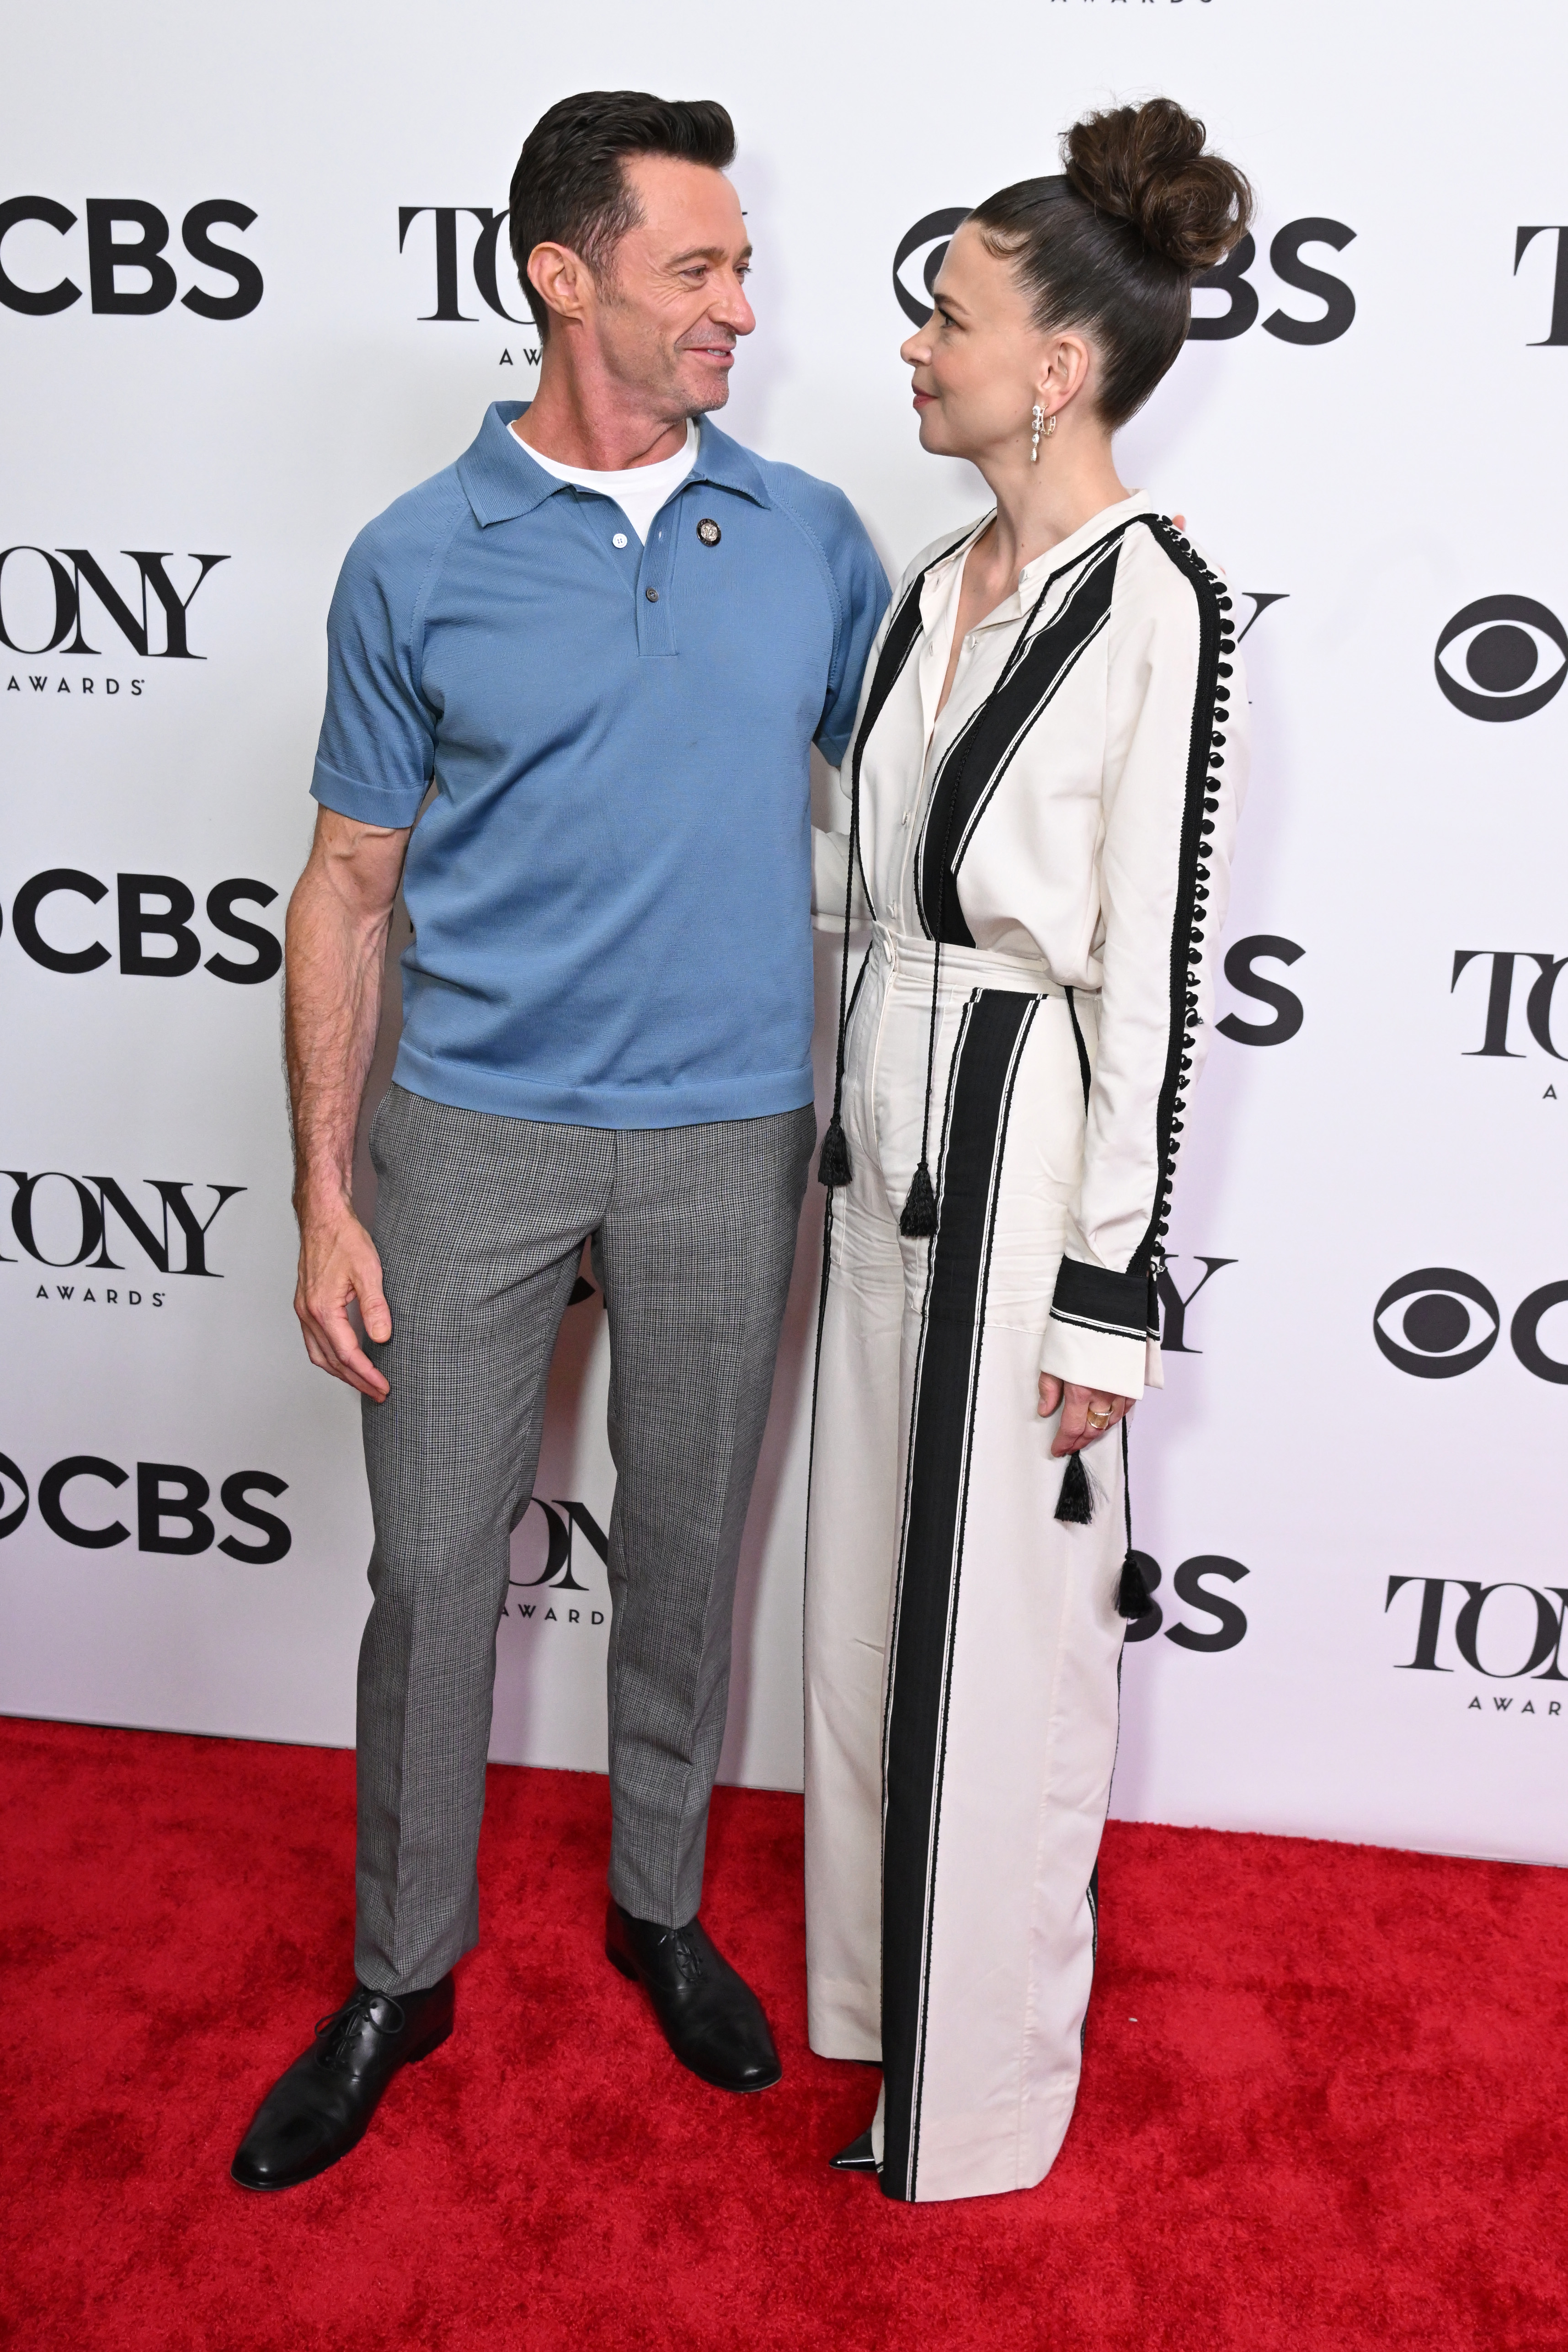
[
  {"x": 711, "y": 2019},
  {"x": 322, "y": 2107}
]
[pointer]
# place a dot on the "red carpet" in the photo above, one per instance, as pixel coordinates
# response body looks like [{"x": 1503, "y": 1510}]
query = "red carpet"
[{"x": 1339, "y": 2120}]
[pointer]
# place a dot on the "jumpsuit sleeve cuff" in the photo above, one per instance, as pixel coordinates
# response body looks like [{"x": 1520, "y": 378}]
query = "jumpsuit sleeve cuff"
[
  {"x": 1093, "y": 1360},
  {"x": 829, "y": 870},
  {"x": 1098, "y": 1334}
]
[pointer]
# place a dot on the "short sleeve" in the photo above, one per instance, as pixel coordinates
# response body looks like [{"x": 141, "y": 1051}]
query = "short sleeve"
[
  {"x": 863, "y": 597},
  {"x": 377, "y": 748}
]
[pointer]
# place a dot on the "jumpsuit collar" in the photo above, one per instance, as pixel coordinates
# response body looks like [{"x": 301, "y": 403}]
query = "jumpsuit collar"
[
  {"x": 942, "y": 581},
  {"x": 942, "y": 587}
]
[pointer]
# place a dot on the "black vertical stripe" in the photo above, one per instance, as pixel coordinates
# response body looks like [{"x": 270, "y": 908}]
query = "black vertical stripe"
[
  {"x": 915, "y": 1736},
  {"x": 1085, "y": 1074},
  {"x": 904, "y": 631},
  {"x": 980, "y": 756},
  {"x": 903, "y": 635}
]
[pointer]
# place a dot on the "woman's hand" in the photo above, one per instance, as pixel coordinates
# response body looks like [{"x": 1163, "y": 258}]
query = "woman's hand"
[{"x": 1086, "y": 1413}]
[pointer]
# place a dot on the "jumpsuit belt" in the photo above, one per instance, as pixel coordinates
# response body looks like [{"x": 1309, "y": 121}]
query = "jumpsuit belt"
[{"x": 907, "y": 958}]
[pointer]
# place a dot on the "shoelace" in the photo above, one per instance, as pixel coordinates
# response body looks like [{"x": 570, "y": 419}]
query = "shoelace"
[{"x": 337, "y": 2030}]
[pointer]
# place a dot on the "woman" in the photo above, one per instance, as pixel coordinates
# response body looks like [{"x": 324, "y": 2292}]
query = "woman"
[{"x": 1044, "y": 782}]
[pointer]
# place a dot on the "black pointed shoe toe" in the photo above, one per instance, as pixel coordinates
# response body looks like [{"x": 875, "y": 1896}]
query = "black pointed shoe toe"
[
  {"x": 858, "y": 2156},
  {"x": 711, "y": 2019},
  {"x": 322, "y": 2107}
]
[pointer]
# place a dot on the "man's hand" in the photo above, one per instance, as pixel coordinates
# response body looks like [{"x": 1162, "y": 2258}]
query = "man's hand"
[
  {"x": 339, "y": 1265},
  {"x": 338, "y": 920},
  {"x": 1086, "y": 1413}
]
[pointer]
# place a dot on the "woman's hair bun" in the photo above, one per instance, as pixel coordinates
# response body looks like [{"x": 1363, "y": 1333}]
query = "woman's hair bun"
[{"x": 1146, "y": 166}]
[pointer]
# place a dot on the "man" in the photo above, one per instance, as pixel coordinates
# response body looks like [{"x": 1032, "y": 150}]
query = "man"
[{"x": 607, "y": 638}]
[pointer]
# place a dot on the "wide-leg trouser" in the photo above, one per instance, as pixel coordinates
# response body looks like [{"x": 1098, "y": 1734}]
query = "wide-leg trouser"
[
  {"x": 962, "y": 1646},
  {"x": 480, "y": 1222}
]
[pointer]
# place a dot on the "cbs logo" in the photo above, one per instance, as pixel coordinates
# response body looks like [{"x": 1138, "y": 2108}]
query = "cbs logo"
[
  {"x": 921, "y": 250},
  {"x": 924, "y": 247},
  {"x": 1501, "y": 658},
  {"x": 1439, "y": 1334}
]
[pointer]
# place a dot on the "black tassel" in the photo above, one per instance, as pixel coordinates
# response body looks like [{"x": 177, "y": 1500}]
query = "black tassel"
[
  {"x": 833, "y": 1168},
  {"x": 918, "y": 1220},
  {"x": 1133, "y": 1598},
  {"x": 1075, "y": 1503}
]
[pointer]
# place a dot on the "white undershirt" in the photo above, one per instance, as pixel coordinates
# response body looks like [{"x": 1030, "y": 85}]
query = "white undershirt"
[{"x": 639, "y": 491}]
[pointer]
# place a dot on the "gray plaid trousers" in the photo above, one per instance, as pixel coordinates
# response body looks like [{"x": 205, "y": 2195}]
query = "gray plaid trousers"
[{"x": 479, "y": 1223}]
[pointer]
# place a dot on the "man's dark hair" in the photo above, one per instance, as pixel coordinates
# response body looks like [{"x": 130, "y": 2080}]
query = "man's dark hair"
[{"x": 569, "y": 188}]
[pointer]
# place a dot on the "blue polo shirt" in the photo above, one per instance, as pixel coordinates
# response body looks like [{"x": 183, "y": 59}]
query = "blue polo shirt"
[{"x": 610, "y": 885}]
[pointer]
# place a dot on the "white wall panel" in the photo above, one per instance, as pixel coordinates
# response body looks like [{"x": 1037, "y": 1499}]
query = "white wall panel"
[{"x": 1377, "y": 483}]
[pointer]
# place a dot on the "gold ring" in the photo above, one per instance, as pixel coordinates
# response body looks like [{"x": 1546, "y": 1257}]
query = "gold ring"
[{"x": 1098, "y": 1420}]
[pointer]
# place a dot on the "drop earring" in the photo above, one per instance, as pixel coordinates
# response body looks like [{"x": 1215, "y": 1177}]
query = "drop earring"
[{"x": 1037, "y": 420}]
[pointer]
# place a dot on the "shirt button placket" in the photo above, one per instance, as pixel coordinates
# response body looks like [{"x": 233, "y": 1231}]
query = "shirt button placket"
[{"x": 654, "y": 635}]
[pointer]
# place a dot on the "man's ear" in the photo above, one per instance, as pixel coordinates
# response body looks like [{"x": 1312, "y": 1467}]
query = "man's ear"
[{"x": 561, "y": 279}]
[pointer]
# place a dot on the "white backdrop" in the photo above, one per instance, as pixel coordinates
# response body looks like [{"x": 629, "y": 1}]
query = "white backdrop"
[{"x": 1375, "y": 481}]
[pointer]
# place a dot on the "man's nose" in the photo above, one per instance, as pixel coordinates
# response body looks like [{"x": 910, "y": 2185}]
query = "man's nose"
[{"x": 731, "y": 308}]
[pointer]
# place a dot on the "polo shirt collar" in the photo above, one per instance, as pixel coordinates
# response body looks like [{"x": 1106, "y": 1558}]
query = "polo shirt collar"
[
  {"x": 500, "y": 478},
  {"x": 727, "y": 465},
  {"x": 501, "y": 481}
]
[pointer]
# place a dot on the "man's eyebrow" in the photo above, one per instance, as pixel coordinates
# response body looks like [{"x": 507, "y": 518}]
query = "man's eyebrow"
[{"x": 706, "y": 253}]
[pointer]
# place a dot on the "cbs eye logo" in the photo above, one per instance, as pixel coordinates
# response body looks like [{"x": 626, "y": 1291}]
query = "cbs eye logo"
[
  {"x": 1435, "y": 1335},
  {"x": 1503, "y": 658},
  {"x": 922, "y": 252}
]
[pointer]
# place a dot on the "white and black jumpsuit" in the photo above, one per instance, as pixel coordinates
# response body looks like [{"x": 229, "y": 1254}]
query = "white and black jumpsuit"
[{"x": 1046, "y": 868}]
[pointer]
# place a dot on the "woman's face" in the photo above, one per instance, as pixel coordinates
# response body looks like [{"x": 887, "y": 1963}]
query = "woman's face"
[{"x": 979, "y": 362}]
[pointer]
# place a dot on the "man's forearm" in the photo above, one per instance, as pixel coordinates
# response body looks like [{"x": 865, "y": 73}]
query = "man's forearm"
[{"x": 336, "y": 946}]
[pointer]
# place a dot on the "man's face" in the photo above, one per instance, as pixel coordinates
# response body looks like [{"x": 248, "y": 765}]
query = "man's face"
[{"x": 670, "y": 308}]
